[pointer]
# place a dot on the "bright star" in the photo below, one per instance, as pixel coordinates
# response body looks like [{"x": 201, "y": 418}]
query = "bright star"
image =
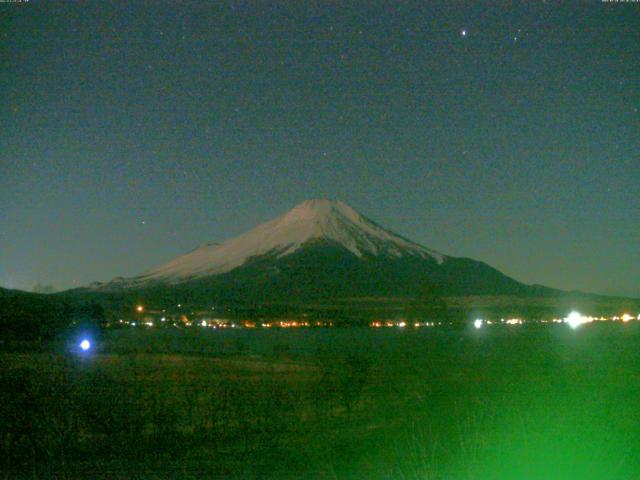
[
  {"x": 85, "y": 344},
  {"x": 463, "y": 32}
]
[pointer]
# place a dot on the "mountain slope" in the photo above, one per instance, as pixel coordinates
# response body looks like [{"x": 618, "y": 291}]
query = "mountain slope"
[
  {"x": 313, "y": 220},
  {"x": 320, "y": 249}
]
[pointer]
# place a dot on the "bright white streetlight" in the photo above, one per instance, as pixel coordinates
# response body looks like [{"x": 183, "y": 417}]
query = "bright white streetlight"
[
  {"x": 85, "y": 345},
  {"x": 575, "y": 320}
]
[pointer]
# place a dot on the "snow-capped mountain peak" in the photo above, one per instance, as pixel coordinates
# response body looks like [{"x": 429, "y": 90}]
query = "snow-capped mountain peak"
[{"x": 326, "y": 220}]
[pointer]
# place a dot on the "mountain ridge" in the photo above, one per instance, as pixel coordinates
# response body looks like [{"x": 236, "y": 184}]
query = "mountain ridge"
[
  {"x": 309, "y": 221},
  {"x": 322, "y": 252}
]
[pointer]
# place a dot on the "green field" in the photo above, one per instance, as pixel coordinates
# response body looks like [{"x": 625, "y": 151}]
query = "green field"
[{"x": 522, "y": 402}]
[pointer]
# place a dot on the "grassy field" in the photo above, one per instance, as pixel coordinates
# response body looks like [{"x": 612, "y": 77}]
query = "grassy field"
[{"x": 496, "y": 403}]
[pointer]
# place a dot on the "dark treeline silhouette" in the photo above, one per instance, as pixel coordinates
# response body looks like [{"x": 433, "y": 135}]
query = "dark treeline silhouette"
[{"x": 32, "y": 320}]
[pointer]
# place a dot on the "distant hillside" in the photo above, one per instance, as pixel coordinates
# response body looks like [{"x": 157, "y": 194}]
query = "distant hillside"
[
  {"x": 30, "y": 316},
  {"x": 319, "y": 250}
]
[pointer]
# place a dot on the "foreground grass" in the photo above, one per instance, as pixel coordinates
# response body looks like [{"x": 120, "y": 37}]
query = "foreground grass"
[{"x": 438, "y": 404}]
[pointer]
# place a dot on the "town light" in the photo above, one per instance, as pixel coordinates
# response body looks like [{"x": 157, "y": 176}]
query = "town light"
[
  {"x": 139, "y": 308},
  {"x": 477, "y": 323},
  {"x": 575, "y": 320}
]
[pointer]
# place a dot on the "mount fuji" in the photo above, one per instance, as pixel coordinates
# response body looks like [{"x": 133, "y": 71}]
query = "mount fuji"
[
  {"x": 321, "y": 249},
  {"x": 331, "y": 222}
]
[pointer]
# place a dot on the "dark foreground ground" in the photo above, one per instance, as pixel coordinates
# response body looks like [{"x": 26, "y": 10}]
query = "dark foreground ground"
[{"x": 498, "y": 403}]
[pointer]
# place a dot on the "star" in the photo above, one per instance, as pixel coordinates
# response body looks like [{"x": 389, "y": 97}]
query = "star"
[
  {"x": 463, "y": 32},
  {"x": 516, "y": 37}
]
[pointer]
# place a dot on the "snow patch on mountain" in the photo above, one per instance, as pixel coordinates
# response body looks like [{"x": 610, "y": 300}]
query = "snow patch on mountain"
[{"x": 311, "y": 220}]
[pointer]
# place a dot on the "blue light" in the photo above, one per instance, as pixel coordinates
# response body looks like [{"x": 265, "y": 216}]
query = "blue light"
[{"x": 85, "y": 345}]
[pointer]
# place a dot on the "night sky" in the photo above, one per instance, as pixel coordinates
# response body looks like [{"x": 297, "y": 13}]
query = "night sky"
[{"x": 131, "y": 134}]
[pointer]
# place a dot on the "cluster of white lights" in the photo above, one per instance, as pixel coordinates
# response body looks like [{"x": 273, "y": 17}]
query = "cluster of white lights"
[
  {"x": 574, "y": 319},
  {"x": 479, "y": 322},
  {"x": 385, "y": 323},
  {"x": 627, "y": 318}
]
